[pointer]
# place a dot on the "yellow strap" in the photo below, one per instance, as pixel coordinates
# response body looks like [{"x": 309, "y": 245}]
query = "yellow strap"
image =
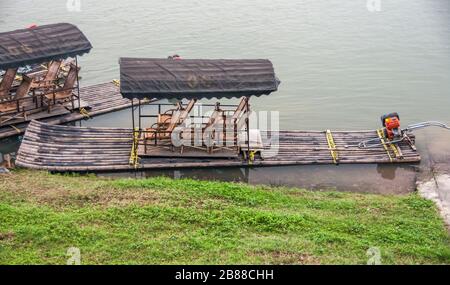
[
  {"x": 395, "y": 150},
  {"x": 332, "y": 147},
  {"x": 116, "y": 82},
  {"x": 251, "y": 156},
  {"x": 134, "y": 158},
  {"x": 16, "y": 128},
  {"x": 380, "y": 134},
  {"x": 84, "y": 113}
]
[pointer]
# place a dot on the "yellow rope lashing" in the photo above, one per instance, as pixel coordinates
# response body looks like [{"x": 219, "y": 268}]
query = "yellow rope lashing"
[
  {"x": 380, "y": 134},
  {"x": 84, "y": 113},
  {"x": 395, "y": 150},
  {"x": 116, "y": 82},
  {"x": 16, "y": 129},
  {"x": 251, "y": 156},
  {"x": 332, "y": 147},
  {"x": 134, "y": 158}
]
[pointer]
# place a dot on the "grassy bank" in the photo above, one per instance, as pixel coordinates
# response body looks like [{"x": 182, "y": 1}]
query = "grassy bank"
[{"x": 162, "y": 221}]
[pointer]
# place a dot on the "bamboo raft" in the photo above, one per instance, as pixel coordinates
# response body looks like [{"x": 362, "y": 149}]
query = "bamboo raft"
[
  {"x": 101, "y": 99},
  {"x": 64, "y": 148}
]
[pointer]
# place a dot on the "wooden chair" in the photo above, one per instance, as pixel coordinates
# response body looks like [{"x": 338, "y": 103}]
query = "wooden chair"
[
  {"x": 238, "y": 124},
  {"x": 207, "y": 131},
  {"x": 14, "y": 108},
  {"x": 164, "y": 118},
  {"x": 6, "y": 84},
  {"x": 65, "y": 93},
  {"x": 239, "y": 136},
  {"x": 50, "y": 78},
  {"x": 223, "y": 129},
  {"x": 163, "y": 130}
]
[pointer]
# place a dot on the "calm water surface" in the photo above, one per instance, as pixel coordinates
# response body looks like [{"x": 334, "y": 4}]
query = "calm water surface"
[{"x": 341, "y": 66}]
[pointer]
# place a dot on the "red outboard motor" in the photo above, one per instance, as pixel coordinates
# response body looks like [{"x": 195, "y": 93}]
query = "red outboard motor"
[{"x": 391, "y": 124}]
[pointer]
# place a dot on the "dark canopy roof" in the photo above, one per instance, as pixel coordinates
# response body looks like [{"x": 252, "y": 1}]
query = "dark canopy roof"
[
  {"x": 195, "y": 78},
  {"x": 40, "y": 44}
]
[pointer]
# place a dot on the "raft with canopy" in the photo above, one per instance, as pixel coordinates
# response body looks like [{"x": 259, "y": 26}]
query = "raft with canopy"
[
  {"x": 224, "y": 132},
  {"x": 51, "y": 81}
]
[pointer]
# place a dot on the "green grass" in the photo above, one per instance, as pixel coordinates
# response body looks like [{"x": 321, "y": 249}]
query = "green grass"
[{"x": 165, "y": 221}]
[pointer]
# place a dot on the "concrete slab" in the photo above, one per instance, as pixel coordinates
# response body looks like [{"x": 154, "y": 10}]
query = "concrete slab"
[
  {"x": 437, "y": 189},
  {"x": 433, "y": 181}
]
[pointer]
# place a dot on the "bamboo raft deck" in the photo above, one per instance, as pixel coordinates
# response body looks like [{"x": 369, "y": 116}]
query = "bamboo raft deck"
[
  {"x": 65, "y": 148},
  {"x": 101, "y": 99}
]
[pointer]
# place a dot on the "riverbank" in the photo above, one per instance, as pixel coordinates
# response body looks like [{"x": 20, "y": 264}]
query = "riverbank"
[{"x": 165, "y": 221}]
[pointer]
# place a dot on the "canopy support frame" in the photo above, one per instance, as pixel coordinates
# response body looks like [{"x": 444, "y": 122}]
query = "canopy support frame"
[
  {"x": 247, "y": 123},
  {"x": 78, "y": 84}
]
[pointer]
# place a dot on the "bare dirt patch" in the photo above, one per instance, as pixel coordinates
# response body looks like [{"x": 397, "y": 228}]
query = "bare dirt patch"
[
  {"x": 7, "y": 236},
  {"x": 285, "y": 257},
  {"x": 79, "y": 192}
]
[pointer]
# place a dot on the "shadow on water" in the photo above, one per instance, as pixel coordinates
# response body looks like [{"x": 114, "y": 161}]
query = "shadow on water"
[{"x": 367, "y": 178}]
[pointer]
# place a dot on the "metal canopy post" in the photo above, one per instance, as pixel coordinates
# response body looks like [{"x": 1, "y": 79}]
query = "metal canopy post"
[
  {"x": 78, "y": 84},
  {"x": 140, "y": 128},
  {"x": 247, "y": 122},
  {"x": 134, "y": 159},
  {"x": 132, "y": 112}
]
